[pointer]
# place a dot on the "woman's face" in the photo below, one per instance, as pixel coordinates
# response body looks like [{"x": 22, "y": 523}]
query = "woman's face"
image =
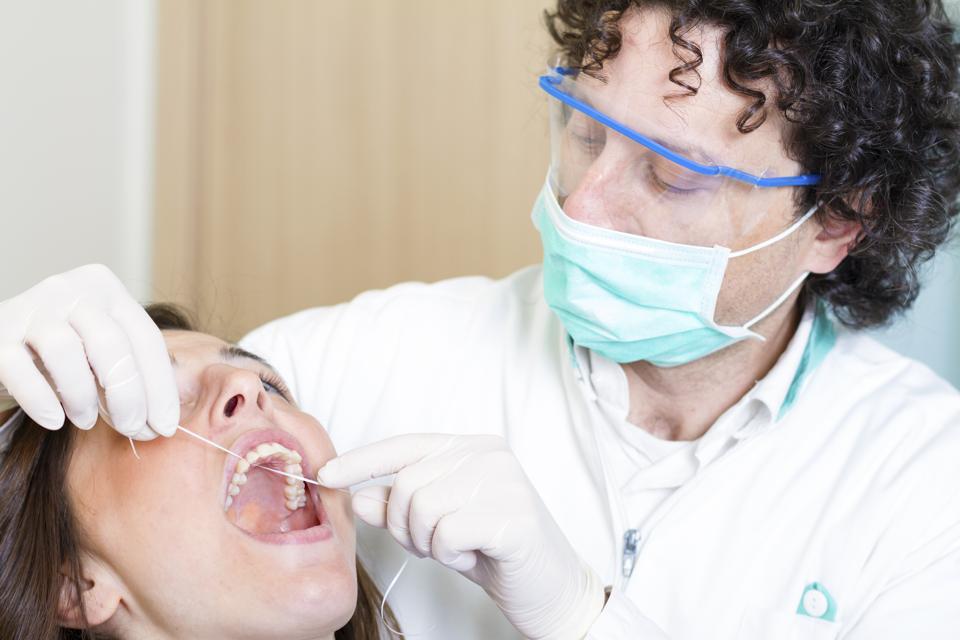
[{"x": 202, "y": 545}]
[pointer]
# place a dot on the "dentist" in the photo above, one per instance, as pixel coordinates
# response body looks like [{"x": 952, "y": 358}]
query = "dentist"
[{"x": 673, "y": 427}]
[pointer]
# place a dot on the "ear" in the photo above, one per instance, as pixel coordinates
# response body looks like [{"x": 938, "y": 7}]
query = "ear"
[
  {"x": 99, "y": 594},
  {"x": 833, "y": 242}
]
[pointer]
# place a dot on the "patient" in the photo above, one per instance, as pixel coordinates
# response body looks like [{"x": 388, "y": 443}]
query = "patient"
[{"x": 186, "y": 541}]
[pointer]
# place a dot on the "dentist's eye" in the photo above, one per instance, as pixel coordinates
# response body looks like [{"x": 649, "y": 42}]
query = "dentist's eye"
[{"x": 675, "y": 183}]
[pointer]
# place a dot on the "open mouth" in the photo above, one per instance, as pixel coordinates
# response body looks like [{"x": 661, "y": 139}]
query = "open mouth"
[{"x": 266, "y": 505}]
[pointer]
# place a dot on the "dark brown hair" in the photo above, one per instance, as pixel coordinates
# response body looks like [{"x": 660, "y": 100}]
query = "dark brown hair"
[
  {"x": 40, "y": 542},
  {"x": 871, "y": 91}
]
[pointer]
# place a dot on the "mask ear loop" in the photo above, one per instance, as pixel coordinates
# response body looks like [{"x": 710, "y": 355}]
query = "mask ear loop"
[
  {"x": 779, "y": 301},
  {"x": 763, "y": 245},
  {"x": 780, "y": 236}
]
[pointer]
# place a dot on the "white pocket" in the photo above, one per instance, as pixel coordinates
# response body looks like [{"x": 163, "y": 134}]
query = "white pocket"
[{"x": 785, "y": 625}]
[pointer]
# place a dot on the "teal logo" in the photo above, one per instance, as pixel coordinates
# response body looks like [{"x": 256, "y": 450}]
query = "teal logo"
[{"x": 816, "y": 602}]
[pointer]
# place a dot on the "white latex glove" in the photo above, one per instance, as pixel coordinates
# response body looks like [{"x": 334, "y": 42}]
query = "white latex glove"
[
  {"x": 466, "y": 502},
  {"x": 73, "y": 331}
]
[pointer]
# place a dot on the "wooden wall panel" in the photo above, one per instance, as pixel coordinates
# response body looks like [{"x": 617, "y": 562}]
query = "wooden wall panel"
[{"x": 309, "y": 150}]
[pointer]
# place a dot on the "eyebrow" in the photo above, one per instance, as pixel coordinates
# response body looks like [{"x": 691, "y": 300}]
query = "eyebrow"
[
  {"x": 233, "y": 352},
  {"x": 694, "y": 152},
  {"x": 698, "y": 154}
]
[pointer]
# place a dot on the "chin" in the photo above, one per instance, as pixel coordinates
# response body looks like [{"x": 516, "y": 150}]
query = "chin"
[{"x": 320, "y": 600}]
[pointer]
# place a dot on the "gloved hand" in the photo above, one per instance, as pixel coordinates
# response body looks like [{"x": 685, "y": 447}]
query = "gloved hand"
[
  {"x": 466, "y": 502},
  {"x": 62, "y": 337}
]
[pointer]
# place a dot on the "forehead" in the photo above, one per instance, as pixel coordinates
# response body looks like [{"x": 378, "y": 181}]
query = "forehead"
[
  {"x": 193, "y": 345},
  {"x": 636, "y": 89},
  {"x": 192, "y": 350}
]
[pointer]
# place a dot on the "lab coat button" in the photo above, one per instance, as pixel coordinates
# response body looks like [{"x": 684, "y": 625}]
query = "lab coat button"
[{"x": 815, "y": 603}]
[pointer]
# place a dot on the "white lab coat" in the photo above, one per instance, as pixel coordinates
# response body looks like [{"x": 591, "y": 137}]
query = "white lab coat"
[{"x": 856, "y": 487}]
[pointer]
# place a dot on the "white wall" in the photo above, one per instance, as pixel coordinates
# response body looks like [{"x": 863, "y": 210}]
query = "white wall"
[
  {"x": 76, "y": 129},
  {"x": 930, "y": 332}
]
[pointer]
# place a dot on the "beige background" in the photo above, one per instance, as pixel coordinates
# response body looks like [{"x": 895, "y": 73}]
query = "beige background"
[{"x": 309, "y": 150}]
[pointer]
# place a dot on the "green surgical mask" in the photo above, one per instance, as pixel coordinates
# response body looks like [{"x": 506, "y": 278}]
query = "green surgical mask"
[{"x": 633, "y": 298}]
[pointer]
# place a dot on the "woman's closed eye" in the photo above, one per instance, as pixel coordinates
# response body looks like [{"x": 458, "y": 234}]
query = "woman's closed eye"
[{"x": 273, "y": 384}]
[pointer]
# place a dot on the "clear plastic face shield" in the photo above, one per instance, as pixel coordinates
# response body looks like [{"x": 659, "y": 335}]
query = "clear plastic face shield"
[{"x": 626, "y": 158}]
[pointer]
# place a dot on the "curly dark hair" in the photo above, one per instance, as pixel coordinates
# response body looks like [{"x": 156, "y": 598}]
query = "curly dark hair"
[{"x": 870, "y": 89}]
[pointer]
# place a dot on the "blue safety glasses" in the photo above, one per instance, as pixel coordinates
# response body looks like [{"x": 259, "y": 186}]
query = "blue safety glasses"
[{"x": 553, "y": 82}]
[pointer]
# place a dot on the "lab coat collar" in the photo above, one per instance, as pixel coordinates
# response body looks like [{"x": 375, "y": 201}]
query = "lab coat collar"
[{"x": 813, "y": 340}]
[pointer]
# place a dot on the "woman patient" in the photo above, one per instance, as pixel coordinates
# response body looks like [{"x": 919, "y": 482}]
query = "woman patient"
[{"x": 184, "y": 541}]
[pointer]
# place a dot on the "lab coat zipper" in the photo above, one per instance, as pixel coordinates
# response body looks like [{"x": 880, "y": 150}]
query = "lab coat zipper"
[
  {"x": 633, "y": 542},
  {"x": 617, "y": 515},
  {"x": 630, "y": 540},
  {"x": 659, "y": 514},
  {"x": 628, "y": 546},
  {"x": 625, "y": 555}
]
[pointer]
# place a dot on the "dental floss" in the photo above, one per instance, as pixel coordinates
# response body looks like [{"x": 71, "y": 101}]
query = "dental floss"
[
  {"x": 386, "y": 593},
  {"x": 134, "y": 447},
  {"x": 383, "y": 606},
  {"x": 277, "y": 471},
  {"x": 237, "y": 455}
]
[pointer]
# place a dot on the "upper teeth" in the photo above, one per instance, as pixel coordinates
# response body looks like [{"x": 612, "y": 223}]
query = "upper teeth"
[{"x": 295, "y": 493}]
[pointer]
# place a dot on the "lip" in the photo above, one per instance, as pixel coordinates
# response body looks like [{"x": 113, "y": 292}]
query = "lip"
[{"x": 249, "y": 441}]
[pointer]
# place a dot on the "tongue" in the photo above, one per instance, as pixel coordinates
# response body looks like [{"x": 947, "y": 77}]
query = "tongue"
[{"x": 261, "y": 507}]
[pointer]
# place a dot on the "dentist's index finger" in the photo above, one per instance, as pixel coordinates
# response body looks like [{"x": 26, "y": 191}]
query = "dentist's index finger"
[
  {"x": 108, "y": 351},
  {"x": 153, "y": 361},
  {"x": 379, "y": 459}
]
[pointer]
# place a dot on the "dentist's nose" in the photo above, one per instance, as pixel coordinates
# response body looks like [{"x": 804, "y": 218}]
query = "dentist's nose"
[
  {"x": 586, "y": 203},
  {"x": 602, "y": 198},
  {"x": 241, "y": 397}
]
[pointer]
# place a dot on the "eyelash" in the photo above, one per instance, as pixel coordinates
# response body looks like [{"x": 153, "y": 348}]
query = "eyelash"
[
  {"x": 589, "y": 141},
  {"x": 672, "y": 190},
  {"x": 273, "y": 384}
]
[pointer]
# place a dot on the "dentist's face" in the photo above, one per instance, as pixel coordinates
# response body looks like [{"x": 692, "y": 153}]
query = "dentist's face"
[
  {"x": 625, "y": 187},
  {"x": 201, "y": 544}
]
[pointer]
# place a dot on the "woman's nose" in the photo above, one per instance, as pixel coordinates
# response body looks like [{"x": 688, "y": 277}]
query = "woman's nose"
[{"x": 241, "y": 397}]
